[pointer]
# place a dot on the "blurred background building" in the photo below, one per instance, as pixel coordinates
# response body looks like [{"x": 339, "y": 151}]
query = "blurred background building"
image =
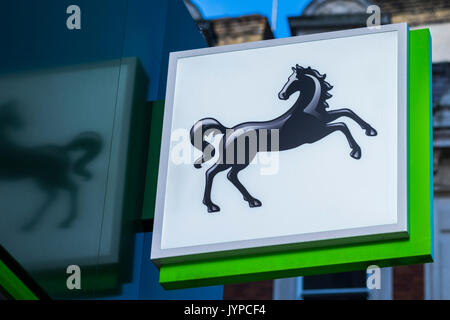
[
  {"x": 431, "y": 281},
  {"x": 222, "y": 31}
]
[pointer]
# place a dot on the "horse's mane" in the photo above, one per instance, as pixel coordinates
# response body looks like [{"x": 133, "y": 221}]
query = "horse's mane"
[{"x": 324, "y": 85}]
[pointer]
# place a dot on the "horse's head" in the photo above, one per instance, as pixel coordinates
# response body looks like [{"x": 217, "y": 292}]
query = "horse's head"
[
  {"x": 293, "y": 84},
  {"x": 306, "y": 80}
]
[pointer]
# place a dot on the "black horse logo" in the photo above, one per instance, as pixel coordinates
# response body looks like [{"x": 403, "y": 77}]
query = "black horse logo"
[
  {"x": 48, "y": 165},
  {"x": 307, "y": 121}
]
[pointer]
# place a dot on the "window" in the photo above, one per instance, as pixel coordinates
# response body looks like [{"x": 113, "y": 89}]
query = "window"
[{"x": 335, "y": 286}]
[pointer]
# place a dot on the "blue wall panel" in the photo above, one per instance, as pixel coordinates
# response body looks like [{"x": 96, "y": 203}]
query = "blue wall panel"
[
  {"x": 55, "y": 79},
  {"x": 37, "y": 36},
  {"x": 145, "y": 279}
]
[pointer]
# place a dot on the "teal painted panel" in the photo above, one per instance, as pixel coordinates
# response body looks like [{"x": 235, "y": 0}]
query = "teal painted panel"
[{"x": 151, "y": 180}]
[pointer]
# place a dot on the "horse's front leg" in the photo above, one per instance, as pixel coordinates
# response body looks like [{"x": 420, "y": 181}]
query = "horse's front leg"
[
  {"x": 340, "y": 126},
  {"x": 335, "y": 114},
  {"x": 210, "y": 174},
  {"x": 38, "y": 215}
]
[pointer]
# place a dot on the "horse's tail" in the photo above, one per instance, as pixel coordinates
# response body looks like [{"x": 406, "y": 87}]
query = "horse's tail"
[
  {"x": 91, "y": 144},
  {"x": 198, "y": 131}
]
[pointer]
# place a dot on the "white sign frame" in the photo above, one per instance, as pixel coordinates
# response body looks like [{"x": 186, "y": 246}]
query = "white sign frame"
[{"x": 355, "y": 235}]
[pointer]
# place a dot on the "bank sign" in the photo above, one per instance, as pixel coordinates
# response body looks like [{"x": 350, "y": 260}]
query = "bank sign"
[{"x": 293, "y": 147}]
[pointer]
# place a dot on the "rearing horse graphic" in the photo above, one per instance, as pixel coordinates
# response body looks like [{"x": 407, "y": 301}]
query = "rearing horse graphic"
[{"x": 307, "y": 121}]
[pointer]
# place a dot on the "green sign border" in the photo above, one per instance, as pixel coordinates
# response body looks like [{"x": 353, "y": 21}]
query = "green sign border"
[
  {"x": 151, "y": 179},
  {"x": 11, "y": 285},
  {"x": 417, "y": 249},
  {"x": 15, "y": 281}
]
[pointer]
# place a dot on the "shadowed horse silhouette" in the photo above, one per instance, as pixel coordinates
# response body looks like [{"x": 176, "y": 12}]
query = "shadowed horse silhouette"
[
  {"x": 307, "y": 121},
  {"x": 48, "y": 165}
]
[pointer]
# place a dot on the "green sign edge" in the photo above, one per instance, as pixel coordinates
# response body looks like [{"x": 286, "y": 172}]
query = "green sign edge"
[{"x": 417, "y": 249}]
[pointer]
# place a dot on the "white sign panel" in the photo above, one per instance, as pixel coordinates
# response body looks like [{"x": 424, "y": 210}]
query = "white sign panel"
[{"x": 298, "y": 141}]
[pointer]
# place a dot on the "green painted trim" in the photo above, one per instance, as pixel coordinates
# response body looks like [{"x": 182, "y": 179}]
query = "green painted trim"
[
  {"x": 13, "y": 286},
  {"x": 16, "y": 282},
  {"x": 153, "y": 159},
  {"x": 416, "y": 249}
]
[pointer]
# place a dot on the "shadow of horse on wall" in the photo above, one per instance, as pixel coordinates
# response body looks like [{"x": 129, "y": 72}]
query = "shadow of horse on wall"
[{"x": 50, "y": 166}]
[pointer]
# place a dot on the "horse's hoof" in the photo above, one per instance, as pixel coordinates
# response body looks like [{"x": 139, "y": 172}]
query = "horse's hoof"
[
  {"x": 371, "y": 132},
  {"x": 356, "y": 154},
  {"x": 213, "y": 208},
  {"x": 254, "y": 203}
]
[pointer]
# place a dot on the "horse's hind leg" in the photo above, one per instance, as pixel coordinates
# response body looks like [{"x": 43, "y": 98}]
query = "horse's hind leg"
[
  {"x": 340, "y": 126},
  {"x": 233, "y": 177},
  {"x": 73, "y": 211},
  {"x": 41, "y": 210},
  {"x": 210, "y": 174},
  {"x": 335, "y": 114}
]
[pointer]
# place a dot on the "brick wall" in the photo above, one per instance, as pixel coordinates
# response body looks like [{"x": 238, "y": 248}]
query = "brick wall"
[
  {"x": 261, "y": 290},
  {"x": 416, "y": 12},
  {"x": 408, "y": 282},
  {"x": 241, "y": 29}
]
